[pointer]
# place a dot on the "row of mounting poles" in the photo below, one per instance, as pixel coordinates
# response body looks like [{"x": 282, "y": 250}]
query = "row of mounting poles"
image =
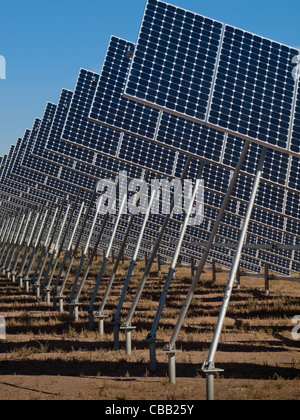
[{"x": 57, "y": 229}]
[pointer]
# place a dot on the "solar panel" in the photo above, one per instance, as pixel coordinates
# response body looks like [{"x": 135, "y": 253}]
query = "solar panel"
[
  {"x": 13, "y": 182},
  {"x": 14, "y": 192},
  {"x": 106, "y": 141},
  {"x": 158, "y": 140},
  {"x": 53, "y": 173},
  {"x": 39, "y": 142},
  {"x": 85, "y": 169},
  {"x": 59, "y": 166},
  {"x": 295, "y": 133},
  {"x": 58, "y": 146},
  {"x": 36, "y": 172},
  {"x": 217, "y": 75},
  {"x": 29, "y": 176}
]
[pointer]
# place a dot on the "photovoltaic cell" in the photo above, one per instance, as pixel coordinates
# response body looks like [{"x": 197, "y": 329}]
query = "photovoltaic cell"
[
  {"x": 28, "y": 160},
  {"x": 112, "y": 110},
  {"x": 75, "y": 132},
  {"x": 180, "y": 79},
  {"x": 110, "y": 85},
  {"x": 77, "y": 172},
  {"x": 294, "y": 179},
  {"x": 50, "y": 172}
]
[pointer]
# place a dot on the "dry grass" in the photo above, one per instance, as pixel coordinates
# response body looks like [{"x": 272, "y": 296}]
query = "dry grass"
[{"x": 49, "y": 356}]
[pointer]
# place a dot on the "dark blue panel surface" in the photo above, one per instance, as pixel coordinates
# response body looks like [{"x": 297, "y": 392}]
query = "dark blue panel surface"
[{"x": 212, "y": 73}]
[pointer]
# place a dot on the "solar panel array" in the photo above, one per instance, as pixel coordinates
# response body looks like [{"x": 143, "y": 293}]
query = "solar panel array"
[
  {"x": 79, "y": 118},
  {"x": 186, "y": 96},
  {"x": 126, "y": 120},
  {"x": 53, "y": 171},
  {"x": 115, "y": 111},
  {"x": 59, "y": 171}
]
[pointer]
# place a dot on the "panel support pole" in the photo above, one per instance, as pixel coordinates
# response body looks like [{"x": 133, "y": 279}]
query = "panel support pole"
[
  {"x": 116, "y": 317},
  {"x": 152, "y": 335},
  {"x": 90, "y": 308},
  {"x": 47, "y": 282},
  {"x": 29, "y": 243},
  {"x": 10, "y": 244},
  {"x": 208, "y": 366},
  {"x": 172, "y": 344},
  {"x": 21, "y": 244},
  {"x": 72, "y": 252},
  {"x": 49, "y": 240},
  {"x": 16, "y": 242},
  {"x": 36, "y": 245},
  {"x": 267, "y": 279},
  {"x": 6, "y": 234},
  {"x": 143, "y": 281},
  {"x": 100, "y": 313}
]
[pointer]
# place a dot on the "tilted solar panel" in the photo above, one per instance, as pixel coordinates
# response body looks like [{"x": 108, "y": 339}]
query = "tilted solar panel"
[
  {"x": 13, "y": 189},
  {"x": 217, "y": 75},
  {"x": 245, "y": 86},
  {"x": 37, "y": 173},
  {"x": 59, "y": 166},
  {"x": 15, "y": 183},
  {"x": 106, "y": 140}
]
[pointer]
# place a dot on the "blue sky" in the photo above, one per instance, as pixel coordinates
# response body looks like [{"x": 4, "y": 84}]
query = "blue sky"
[{"x": 45, "y": 43}]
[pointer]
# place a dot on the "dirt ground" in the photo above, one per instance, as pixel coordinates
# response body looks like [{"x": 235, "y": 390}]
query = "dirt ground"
[{"x": 48, "y": 356}]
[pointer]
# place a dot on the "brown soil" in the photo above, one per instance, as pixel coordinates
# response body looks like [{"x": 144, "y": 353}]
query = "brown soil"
[{"x": 49, "y": 356}]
